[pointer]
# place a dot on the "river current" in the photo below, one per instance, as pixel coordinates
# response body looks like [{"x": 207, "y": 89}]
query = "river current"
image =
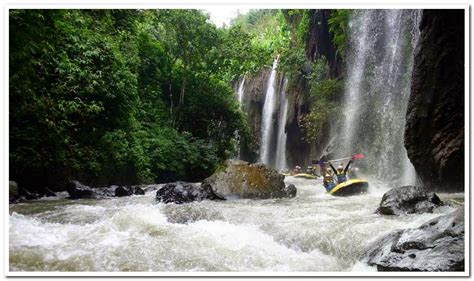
[{"x": 312, "y": 232}]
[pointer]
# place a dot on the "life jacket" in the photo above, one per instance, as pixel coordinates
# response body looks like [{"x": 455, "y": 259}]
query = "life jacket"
[
  {"x": 341, "y": 177},
  {"x": 329, "y": 186}
]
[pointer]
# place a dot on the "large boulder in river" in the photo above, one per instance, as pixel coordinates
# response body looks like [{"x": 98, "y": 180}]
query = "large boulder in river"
[
  {"x": 434, "y": 131},
  {"x": 78, "y": 190},
  {"x": 437, "y": 245},
  {"x": 408, "y": 200},
  {"x": 239, "y": 179},
  {"x": 184, "y": 192}
]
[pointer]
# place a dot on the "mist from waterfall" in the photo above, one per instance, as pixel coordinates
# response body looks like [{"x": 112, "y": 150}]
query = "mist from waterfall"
[
  {"x": 280, "y": 161},
  {"x": 379, "y": 65},
  {"x": 267, "y": 117}
]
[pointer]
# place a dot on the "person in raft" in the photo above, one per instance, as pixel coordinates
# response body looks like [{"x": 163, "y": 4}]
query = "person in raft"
[
  {"x": 328, "y": 180},
  {"x": 296, "y": 170},
  {"x": 341, "y": 172}
]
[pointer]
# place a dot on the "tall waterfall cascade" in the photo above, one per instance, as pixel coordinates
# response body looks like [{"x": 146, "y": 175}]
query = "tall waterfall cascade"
[
  {"x": 379, "y": 65},
  {"x": 267, "y": 117},
  {"x": 280, "y": 161}
]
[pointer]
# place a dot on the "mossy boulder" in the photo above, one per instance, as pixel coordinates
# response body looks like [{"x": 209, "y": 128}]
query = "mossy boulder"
[{"x": 239, "y": 179}]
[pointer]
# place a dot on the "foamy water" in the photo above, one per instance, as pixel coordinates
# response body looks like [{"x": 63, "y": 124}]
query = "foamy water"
[{"x": 312, "y": 232}]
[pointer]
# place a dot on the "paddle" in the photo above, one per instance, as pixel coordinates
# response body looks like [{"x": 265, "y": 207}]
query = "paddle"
[{"x": 353, "y": 157}]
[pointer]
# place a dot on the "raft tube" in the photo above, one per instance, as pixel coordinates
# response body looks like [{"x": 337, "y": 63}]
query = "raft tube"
[
  {"x": 306, "y": 176},
  {"x": 350, "y": 187}
]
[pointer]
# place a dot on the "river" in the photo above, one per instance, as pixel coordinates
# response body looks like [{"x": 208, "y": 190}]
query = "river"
[{"x": 312, "y": 232}]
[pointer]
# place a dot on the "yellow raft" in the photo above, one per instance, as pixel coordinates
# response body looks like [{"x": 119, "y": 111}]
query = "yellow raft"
[
  {"x": 350, "y": 187},
  {"x": 300, "y": 175},
  {"x": 306, "y": 176}
]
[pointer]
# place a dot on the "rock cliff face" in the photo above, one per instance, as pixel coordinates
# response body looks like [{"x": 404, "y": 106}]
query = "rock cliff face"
[
  {"x": 434, "y": 132},
  {"x": 252, "y": 104},
  {"x": 298, "y": 149},
  {"x": 319, "y": 41},
  {"x": 318, "y": 44}
]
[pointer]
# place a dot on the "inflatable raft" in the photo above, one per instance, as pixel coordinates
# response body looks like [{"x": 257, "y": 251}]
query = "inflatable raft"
[
  {"x": 306, "y": 176},
  {"x": 301, "y": 175},
  {"x": 350, "y": 187}
]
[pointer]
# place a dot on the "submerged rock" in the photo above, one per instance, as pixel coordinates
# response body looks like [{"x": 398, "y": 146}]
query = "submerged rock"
[
  {"x": 437, "y": 245},
  {"x": 184, "y": 192},
  {"x": 290, "y": 190},
  {"x": 46, "y": 192},
  {"x": 106, "y": 191},
  {"x": 128, "y": 191},
  {"x": 243, "y": 180},
  {"x": 18, "y": 193},
  {"x": 138, "y": 190},
  {"x": 77, "y": 190},
  {"x": 123, "y": 191},
  {"x": 408, "y": 200}
]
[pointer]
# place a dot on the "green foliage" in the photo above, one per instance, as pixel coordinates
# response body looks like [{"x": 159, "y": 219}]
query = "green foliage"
[
  {"x": 240, "y": 53},
  {"x": 268, "y": 31},
  {"x": 122, "y": 96},
  {"x": 293, "y": 60},
  {"x": 339, "y": 27},
  {"x": 325, "y": 95},
  {"x": 298, "y": 22},
  {"x": 303, "y": 26}
]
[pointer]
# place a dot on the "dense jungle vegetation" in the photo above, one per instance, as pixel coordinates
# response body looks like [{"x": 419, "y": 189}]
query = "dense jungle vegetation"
[{"x": 139, "y": 96}]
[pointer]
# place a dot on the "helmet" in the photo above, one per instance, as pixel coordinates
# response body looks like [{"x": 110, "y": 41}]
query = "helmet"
[
  {"x": 328, "y": 170},
  {"x": 340, "y": 167}
]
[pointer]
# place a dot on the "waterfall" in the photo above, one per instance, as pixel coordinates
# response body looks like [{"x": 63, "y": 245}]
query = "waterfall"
[
  {"x": 240, "y": 92},
  {"x": 280, "y": 161},
  {"x": 379, "y": 65},
  {"x": 240, "y": 97},
  {"x": 267, "y": 122}
]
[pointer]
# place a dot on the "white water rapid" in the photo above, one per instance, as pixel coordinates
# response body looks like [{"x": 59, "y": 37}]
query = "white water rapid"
[{"x": 312, "y": 232}]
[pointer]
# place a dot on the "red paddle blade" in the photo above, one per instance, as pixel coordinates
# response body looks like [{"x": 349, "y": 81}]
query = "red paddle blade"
[{"x": 358, "y": 156}]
